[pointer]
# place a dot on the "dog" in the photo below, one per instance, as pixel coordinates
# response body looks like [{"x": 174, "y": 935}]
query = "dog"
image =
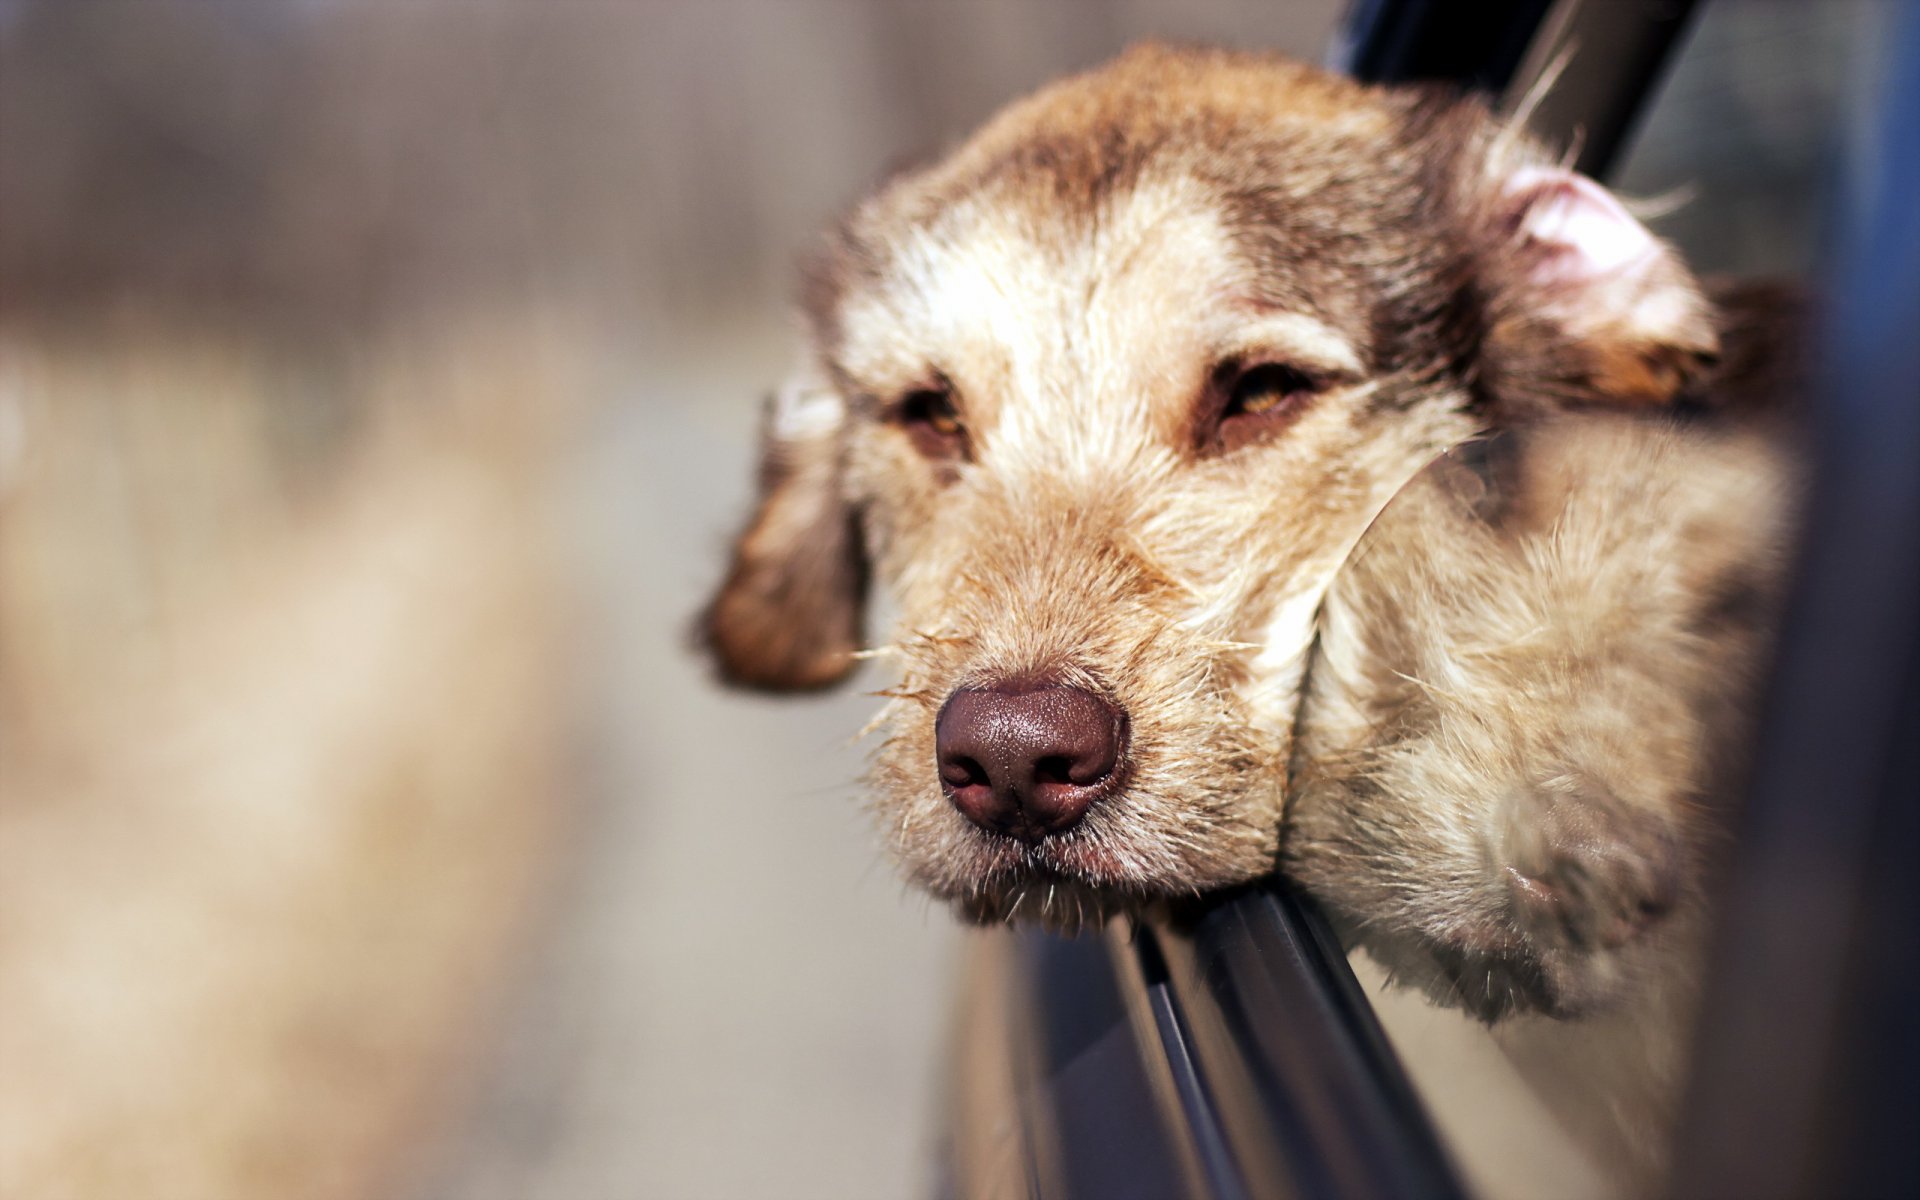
[{"x": 1108, "y": 397}]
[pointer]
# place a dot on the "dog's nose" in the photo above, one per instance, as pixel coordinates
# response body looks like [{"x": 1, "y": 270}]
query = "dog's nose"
[{"x": 1028, "y": 759}]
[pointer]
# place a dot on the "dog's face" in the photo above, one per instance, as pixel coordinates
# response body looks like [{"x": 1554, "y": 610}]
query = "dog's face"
[{"x": 1105, "y": 399}]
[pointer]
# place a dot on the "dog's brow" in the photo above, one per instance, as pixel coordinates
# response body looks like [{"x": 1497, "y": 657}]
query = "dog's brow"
[{"x": 1305, "y": 341}]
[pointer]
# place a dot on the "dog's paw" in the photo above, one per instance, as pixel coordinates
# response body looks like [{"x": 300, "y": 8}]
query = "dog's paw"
[
  {"x": 1585, "y": 879},
  {"x": 1583, "y": 872}
]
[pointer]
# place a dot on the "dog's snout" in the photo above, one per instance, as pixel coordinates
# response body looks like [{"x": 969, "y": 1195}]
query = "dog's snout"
[{"x": 1028, "y": 760}]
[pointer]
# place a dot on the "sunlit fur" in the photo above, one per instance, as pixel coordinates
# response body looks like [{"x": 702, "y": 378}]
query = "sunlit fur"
[
  {"x": 1086, "y": 541},
  {"x": 1075, "y": 274}
]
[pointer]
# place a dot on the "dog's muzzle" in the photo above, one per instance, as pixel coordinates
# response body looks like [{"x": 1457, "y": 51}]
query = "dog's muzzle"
[{"x": 1028, "y": 759}]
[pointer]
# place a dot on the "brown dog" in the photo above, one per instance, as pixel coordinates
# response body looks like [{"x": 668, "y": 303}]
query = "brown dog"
[{"x": 1107, "y": 398}]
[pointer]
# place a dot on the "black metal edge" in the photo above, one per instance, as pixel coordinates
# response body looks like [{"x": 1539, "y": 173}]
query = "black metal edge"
[
  {"x": 1807, "y": 1076},
  {"x": 1609, "y": 56},
  {"x": 1281, "y": 1030},
  {"x": 1348, "y": 1007},
  {"x": 1478, "y": 45},
  {"x": 1141, "y": 972},
  {"x": 1251, "y": 1043},
  {"x": 1091, "y": 1089},
  {"x": 1167, "y": 1037}
]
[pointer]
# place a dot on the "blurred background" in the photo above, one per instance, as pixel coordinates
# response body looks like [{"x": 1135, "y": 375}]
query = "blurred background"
[{"x": 377, "y": 392}]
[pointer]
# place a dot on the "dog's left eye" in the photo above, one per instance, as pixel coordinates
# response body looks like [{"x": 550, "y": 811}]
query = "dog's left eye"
[
  {"x": 932, "y": 420},
  {"x": 1243, "y": 400}
]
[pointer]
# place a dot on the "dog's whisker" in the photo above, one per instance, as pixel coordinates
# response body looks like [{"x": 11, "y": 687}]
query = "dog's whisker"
[
  {"x": 918, "y": 695},
  {"x": 940, "y": 639},
  {"x": 873, "y": 725},
  {"x": 1229, "y": 647}
]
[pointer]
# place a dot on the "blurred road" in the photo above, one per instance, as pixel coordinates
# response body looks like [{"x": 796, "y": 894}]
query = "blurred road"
[{"x": 735, "y": 996}]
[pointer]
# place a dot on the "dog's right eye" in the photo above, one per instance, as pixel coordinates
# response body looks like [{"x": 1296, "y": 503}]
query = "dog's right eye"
[
  {"x": 933, "y": 422},
  {"x": 1245, "y": 403}
]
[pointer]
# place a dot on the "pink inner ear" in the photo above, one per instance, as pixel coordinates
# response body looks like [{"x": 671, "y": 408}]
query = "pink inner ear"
[{"x": 1584, "y": 234}]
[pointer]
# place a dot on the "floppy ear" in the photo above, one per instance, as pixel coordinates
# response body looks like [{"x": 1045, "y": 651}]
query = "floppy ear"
[
  {"x": 1585, "y": 305},
  {"x": 789, "y": 615}
]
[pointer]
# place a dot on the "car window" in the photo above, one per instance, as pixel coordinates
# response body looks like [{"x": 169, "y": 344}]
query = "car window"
[
  {"x": 1733, "y": 160},
  {"x": 1743, "y": 134}
]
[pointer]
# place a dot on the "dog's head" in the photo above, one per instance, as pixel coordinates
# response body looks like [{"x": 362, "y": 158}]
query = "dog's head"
[{"x": 1105, "y": 398}]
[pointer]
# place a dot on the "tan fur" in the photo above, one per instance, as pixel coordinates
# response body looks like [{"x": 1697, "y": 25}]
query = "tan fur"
[
  {"x": 1494, "y": 739},
  {"x": 1526, "y": 683}
]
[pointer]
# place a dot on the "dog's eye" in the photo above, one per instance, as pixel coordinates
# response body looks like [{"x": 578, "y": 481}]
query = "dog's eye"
[
  {"x": 1265, "y": 388},
  {"x": 1246, "y": 400},
  {"x": 933, "y": 422},
  {"x": 935, "y": 410}
]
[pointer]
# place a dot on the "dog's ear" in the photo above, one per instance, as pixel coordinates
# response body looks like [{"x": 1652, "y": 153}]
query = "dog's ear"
[
  {"x": 789, "y": 615},
  {"x": 1585, "y": 306}
]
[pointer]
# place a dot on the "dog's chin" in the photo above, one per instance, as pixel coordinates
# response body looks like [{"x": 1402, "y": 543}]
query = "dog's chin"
[
  {"x": 1056, "y": 904},
  {"x": 1066, "y": 885}
]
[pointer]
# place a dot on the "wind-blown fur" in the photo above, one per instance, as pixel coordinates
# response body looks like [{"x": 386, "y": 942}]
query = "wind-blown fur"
[{"x": 1034, "y": 391}]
